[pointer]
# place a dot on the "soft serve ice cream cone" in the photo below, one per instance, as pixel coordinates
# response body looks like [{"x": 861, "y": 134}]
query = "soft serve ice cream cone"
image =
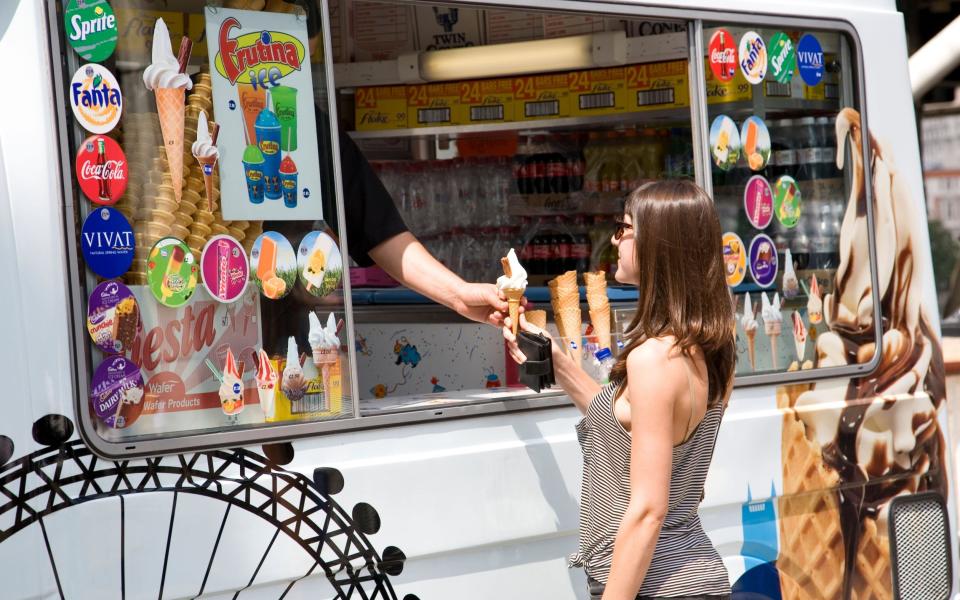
[
  {"x": 772, "y": 322},
  {"x": 749, "y": 323},
  {"x": 325, "y": 344},
  {"x": 204, "y": 149},
  {"x": 791, "y": 286},
  {"x": 294, "y": 384},
  {"x": 231, "y": 387},
  {"x": 266, "y": 385},
  {"x": 166, "y": 78},
  {"x": 513, "y": 283}
]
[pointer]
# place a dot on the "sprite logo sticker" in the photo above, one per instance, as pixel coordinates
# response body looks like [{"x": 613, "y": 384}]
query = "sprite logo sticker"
[
  {"x": 91, "y": 28},
  {"x": 783, "y": 57}
]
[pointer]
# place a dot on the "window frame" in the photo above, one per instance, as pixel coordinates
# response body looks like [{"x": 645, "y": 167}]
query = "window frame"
[{"x": 80, "y": 348}]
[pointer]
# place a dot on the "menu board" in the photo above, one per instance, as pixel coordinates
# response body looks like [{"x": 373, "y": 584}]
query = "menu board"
[{"x": 263, "y": 99}]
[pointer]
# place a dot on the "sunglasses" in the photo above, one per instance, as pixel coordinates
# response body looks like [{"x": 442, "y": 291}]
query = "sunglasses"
[{"x": 622, "y": 228}]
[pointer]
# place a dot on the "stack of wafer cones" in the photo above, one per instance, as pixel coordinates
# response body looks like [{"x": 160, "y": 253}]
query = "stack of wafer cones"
[
  {"x": 565, "y": 298},
  {"x": 812, "y": 558},
  {"x": 599, "y": 306}
]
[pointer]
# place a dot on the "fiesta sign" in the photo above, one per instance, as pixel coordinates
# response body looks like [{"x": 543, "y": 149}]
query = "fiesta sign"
[{"x": 264, "y": 56}]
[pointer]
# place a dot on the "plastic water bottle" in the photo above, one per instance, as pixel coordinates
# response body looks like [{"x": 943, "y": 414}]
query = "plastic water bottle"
[{"x": 605, "y": 359}]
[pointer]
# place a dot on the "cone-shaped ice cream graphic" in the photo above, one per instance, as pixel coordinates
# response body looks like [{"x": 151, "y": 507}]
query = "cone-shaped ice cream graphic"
[
  {"x": 791, "y": 286},
  {"x": 325, "y": 344},
  {"x": 266, "y": 385},
  {"x": 749, "y": 323},
  {"x": 294, "y": 384},
  {"x": 814, "y": 302},
  {"x": 204, "y": 149},
  {"x": 772, "y": 322},
  {"x": 166, "y": 78},
  {"x": 799, "y": 335},
  {"x": 512, "y": 283},
  {"x": 231, "y": 388}
]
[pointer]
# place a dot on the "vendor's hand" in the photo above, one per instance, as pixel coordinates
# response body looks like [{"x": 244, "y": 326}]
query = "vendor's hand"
[
  {"x": 481, "y": 302},
  {"x": 511, "y": 339}
]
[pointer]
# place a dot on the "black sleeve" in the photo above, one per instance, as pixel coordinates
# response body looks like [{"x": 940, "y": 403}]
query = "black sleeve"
[
  {"x": 371, "y": 216},
  {"x": 368, "y": 208}
]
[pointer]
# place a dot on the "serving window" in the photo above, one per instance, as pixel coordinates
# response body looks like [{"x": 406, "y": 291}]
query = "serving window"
[{"x": 215, "y": 303}]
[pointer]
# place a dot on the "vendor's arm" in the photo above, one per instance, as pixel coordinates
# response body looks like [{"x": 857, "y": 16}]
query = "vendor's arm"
[
  {"x": 577, "y": 383},
  {"x": 407, "y": 261},
  {"x": 652, "y": 397}
]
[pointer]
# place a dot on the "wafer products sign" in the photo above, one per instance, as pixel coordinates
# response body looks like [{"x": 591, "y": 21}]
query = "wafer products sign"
[{"x": 263, "y": 99}]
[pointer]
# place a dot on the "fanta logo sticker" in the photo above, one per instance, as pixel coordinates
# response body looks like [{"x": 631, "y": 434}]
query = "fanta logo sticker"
[
  {"x": 273, "y": 53},
  {"x": 96, "y": 98}
]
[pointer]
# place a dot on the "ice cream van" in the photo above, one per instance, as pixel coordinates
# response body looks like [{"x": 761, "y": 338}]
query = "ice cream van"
[{"x": 213, "y": 393}]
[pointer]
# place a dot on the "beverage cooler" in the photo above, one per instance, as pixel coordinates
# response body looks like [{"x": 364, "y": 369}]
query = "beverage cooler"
[{"x": 215, "y": 303}]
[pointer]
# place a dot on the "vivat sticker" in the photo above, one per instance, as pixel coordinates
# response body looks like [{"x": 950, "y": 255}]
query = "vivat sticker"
[
  {"x": 113, "y": 317},
  {"x": 116, "y": 392},
  {"x": 753, "y": 57},
  {"x": 91, "y": 28},
  {"x": 722, "y": 55},
  {"x": 96, "y": 98},
  {"x": 224, "y": 267},
  {"x": 106, "y": 240},
  {"x": 763, "y": 260},
  {"x": 810, "y": 60},
  {"x": 734, "y": 259},
  {"x": 101, "y": 169},
  {"x": 783, "y": 57}
]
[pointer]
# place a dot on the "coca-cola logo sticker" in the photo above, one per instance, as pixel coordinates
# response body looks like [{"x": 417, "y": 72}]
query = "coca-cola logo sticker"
[
  {"x": 101, "y": 170},
  {"x": 753, "y": 57},
  {"x": 95, "y": 98},
  {"x": 722, "y": 55}
]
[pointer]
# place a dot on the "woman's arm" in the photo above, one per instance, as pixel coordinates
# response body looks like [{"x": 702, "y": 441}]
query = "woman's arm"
[
  {"x": 652, "y": 392},
  {"x": 579, "y": 386}
]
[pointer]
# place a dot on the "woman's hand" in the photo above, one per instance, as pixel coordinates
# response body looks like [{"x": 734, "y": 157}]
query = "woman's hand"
[{"x": 511, "y": 339}]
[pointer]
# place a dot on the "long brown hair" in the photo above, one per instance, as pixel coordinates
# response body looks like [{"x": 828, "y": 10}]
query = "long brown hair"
[{"x": 681, "y": 290}]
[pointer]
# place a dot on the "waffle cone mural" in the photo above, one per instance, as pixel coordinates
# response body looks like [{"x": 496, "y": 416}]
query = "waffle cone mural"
[{"x": 850, "y": 446}]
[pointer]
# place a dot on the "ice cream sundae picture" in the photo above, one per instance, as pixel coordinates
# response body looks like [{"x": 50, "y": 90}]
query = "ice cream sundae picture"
[
  {"x": 293, "y": 382},
  {"x": 231, "y": 387},
  {"x": 266, "y": 385},
  {"x": 814, "y": 302},
  {"x": 799, "y": 335},
  {"x": 325, "y": 345}
]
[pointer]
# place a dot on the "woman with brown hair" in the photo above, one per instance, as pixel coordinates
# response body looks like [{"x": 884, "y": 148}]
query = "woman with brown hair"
[{"x": 648, "y": 436}]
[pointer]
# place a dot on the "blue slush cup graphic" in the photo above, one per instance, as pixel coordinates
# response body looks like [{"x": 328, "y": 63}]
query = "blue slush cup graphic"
[{"x": 267, "y": 128}]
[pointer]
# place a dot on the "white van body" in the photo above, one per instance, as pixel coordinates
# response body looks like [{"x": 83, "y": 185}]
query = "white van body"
[{"x": 481, "y": 507}]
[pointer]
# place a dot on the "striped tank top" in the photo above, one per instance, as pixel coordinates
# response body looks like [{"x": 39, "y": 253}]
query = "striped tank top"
[{"x": 684, "y": 560}]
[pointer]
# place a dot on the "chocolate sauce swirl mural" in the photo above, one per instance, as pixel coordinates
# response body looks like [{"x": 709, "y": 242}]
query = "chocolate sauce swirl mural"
[{"x": 851, "y": 446}]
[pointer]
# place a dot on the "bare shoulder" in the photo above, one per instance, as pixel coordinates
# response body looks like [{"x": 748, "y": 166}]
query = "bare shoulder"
[{"x": 651, "y": 355}]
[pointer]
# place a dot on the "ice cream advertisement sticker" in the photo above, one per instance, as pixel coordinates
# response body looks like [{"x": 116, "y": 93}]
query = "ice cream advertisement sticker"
[
  {"x": 724, "y": 142},
  {"x": 273, "y": 264},
  {"x": 786, "y": 201},
  {"x": 763, "y": 260},
  {"x": 172, "y": 272},
  {"x": 758, "y": 202},
  {"x": 224, "y": 268},
  {"x": 116, "y": 392},
  {"x": 113, "y": 317},
  {"x": 722, "y": 55},
  {"x": 263, "y": 98},
  {"x": 756, "y": 143},
  {"x": 810, "y": 60},
  {"x": 106, "y": 240},
  {"x": 753, "y": 57},
  {"x": 91, "y": 28},
  {"x": 95, "y": 98},
  {"x": 319, "y": 263},
  {"x": 783, "y": 57},
  {"x": 101, "y": 169},
  {"x": 734, "y": 259}
]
